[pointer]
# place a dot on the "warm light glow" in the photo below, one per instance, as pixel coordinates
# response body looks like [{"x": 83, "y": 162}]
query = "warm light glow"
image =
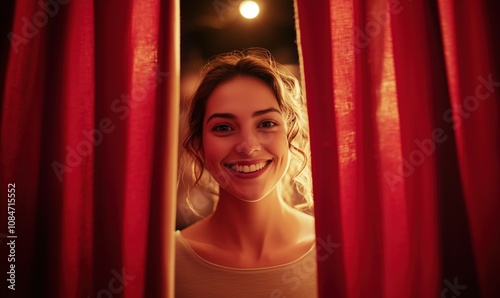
[{"x": 249, "y": 9}]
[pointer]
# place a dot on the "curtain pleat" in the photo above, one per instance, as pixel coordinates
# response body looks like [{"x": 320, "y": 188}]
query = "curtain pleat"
[
  {"x": 418, "y": 92},
  {"x": 21, "y": 141},
  {"x": 474, "y": 83},
  {"x": 77, "y": 85},
  {"x": 317, "y": 71}
]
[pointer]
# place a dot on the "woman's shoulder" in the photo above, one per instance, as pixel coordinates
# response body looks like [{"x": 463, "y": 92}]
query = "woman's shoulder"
[
  {"x": 306, "y": 224},
  {"x": 199, "y": 239},
  {"x": 196, "y": 234}
]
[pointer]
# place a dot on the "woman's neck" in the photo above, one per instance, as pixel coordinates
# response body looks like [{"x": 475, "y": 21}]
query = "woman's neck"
[{"x": 251, "y": 225}]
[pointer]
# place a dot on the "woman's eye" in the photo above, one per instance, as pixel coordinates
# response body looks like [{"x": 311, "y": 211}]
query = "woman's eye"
[
  {"x": 267, "y": 124},
  {"x": 222, "y": 128}
]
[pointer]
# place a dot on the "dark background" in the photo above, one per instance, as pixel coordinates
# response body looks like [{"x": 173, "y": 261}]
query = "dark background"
[{"x": 211, "y": 27}]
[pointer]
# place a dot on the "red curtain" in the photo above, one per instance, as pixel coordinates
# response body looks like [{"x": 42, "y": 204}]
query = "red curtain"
[
  {"x": 403, "y": 100},
  {"x": 89, "y": 138}
]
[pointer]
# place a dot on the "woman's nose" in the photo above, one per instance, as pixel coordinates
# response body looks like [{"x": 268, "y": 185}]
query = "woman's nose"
[{"x": 248, "y": 145}]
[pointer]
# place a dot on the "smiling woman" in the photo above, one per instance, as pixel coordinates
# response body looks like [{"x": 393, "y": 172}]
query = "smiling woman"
[
  {"x": 247, "y": 130},
  {"x": 252, "y": 135}
]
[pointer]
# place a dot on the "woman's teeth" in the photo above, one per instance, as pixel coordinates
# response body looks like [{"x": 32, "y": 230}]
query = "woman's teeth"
[{"x": 248, "y": 168}]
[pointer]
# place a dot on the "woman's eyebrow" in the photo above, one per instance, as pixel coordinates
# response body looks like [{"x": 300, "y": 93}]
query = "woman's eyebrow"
[
  {"x": 262, "y": 112},
  {"x": 222, "y": 115},
  {"x": 232, "y": 116}
]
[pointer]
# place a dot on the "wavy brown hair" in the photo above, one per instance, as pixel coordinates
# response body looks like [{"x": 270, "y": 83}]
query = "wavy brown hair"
[{"x": 296, "y": 186}]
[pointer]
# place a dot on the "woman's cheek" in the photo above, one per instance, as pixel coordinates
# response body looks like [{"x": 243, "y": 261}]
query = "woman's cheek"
[
  {"x": 267, "y": 138},
  {"x": 214, "y": 152}
]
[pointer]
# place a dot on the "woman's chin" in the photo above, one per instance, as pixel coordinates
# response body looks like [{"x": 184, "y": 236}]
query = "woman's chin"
[
  {"x": 248, "y": 199},
  {"x": 250, "y": 196}
]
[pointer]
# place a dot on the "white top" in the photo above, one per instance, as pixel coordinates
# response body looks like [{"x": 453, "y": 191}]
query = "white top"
[{"x": 196, "y": 277}]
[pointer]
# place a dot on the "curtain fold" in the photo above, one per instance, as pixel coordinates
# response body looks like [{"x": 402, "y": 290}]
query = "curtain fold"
[
  {"x": 409, "y": 192},
  {"x": 316, "y": 69},
  {"x": 473, "y": 81},
  {"x": 77, "y": 84},
  {"x": 89, "y": 137}
]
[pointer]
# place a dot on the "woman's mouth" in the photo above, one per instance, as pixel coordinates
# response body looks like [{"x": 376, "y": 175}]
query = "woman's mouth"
[{"x": 248, "y": 168}]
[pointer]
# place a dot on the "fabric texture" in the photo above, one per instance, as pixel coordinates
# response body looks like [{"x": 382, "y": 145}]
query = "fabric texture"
[
  {"x": 196, "y": 277},
  {"x": 403, "y": 101},
  {"x": 89, "y": 126}
]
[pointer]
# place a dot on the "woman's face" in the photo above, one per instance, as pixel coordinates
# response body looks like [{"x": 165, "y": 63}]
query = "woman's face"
[{"x": 245, "y": 147}]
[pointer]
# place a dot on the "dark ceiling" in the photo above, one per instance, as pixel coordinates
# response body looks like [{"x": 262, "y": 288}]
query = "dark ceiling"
[{"x": 211, "y": 27}]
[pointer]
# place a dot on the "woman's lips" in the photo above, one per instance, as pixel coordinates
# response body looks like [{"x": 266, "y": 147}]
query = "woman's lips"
[{"x": 248, "y": 168}]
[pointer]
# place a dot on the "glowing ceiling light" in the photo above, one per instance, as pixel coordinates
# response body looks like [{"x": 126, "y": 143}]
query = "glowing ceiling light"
[{"x": 249, "y": 9}]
